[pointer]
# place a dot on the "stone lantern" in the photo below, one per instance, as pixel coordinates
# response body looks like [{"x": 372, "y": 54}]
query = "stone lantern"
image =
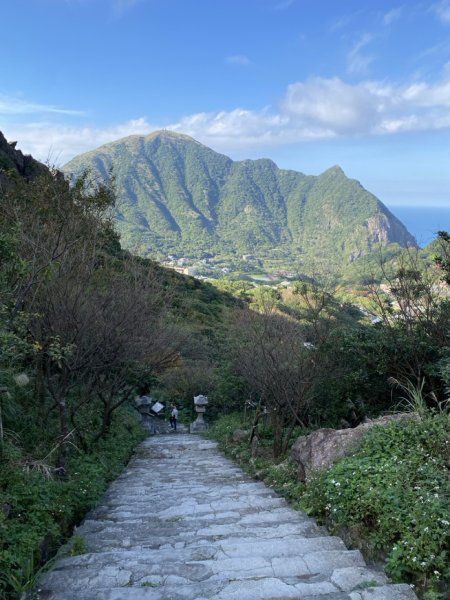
[
  {"x": 199, "y": 424},
  {"x": 143, "y": 404}
]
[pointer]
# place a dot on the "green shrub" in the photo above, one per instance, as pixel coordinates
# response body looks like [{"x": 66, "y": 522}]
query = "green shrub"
[
  {"x": 37, "y": 514},
  {"x": 395, "y": 493},
  {"x": 222, "y": 429}
]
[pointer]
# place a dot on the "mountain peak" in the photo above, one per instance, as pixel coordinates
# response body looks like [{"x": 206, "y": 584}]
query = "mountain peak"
[
  {"x": 168, "y": 134},
  {"x": 13, "y": 161},
  {"x": 334, "y": 170},
  {"x": 180, "y": 197}
]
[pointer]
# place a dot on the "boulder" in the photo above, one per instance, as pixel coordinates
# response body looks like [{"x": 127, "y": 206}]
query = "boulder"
[
  {"x": 323, "y": 447},
  {"x": 239, "y": 435}
]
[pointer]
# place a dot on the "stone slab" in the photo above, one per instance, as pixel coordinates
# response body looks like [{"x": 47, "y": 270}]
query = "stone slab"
[{"x": 184, "y": 523}]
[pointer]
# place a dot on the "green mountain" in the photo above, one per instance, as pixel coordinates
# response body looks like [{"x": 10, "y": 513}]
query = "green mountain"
[{"x": 177, "y": 196}]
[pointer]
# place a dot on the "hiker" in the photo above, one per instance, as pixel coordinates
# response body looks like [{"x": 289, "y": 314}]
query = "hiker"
[{"x": 173, "y": 417}]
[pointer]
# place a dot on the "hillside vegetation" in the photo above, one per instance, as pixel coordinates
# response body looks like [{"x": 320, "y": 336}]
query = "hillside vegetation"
[
  {"x": 85, "y": 326},
  {"x": 178, "y": 197}
]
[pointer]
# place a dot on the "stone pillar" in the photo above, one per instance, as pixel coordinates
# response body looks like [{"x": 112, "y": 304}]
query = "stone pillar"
[{"x": 199, "y": 424}]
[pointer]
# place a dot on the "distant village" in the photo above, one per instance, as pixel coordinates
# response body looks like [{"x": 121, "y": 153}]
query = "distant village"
[
  {"x": 249, "y": 267},
  {"x": 215, "y": 267}
]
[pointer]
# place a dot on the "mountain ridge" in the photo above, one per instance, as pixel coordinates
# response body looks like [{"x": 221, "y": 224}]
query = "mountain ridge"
[{"x": 176, "y": 195}]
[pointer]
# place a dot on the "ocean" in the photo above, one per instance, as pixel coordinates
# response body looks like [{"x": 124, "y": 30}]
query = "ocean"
[{"x": 423, "y": 222}]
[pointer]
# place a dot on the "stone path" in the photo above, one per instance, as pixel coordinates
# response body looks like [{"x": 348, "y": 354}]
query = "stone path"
[{"x": 184, "y": 523}]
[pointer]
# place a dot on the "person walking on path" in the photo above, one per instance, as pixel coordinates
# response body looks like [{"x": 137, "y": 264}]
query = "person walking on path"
[{"x": 173, "y": 417}]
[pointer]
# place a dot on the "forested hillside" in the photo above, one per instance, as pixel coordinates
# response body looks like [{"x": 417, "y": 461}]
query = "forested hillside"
[
  {"x": 176, "y": 196},
  {"x": 85, "y": 326}
]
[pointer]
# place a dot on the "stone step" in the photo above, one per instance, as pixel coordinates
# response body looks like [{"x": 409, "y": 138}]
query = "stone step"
[
  {"x": 201, "y": 563},
  {"x": 107, "y": 536},
  {"x": 183, "y": 523},
  {"x": 253, "y": 589},
  {"x": 260, "y": 589},
  {"x": 275, "y": 516},
  {"x": 399, "y": 591},
  {"x": 166, "y": 508}
]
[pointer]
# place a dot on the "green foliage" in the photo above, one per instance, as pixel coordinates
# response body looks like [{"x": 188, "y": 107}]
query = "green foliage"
[
  {"x": 222, "y": 429},
  {"x": 24, "y": 578},
  {"x": 442, "y": 259},
  {"x": 38, "y": 513},
  {"x": 78, "y": 546},
  {"x": 395, "y": 493}
]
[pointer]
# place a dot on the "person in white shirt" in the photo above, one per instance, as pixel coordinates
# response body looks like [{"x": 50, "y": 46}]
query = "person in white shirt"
[{"x": 173, "y": 417}]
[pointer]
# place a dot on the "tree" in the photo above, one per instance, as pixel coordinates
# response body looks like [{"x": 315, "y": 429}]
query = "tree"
[
  {"x": 278, "y": 362},
  {"x": 442, "y": 259},
  {"x": 95, "y": 314},
  {"x": 415, "y": 316}
]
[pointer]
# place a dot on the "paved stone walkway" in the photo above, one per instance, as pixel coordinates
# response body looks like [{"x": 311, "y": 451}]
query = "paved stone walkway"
[{"x": 184, "y": 523}]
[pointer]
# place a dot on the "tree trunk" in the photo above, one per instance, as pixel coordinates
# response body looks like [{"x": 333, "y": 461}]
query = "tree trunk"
[
  {"x": 277, "y": 424},
  {"x": 64, "y": 436}
]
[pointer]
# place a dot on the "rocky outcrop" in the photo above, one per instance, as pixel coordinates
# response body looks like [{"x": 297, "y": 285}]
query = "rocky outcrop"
[
  {"x": 323, "y": 447},
  {"x": 384, "y": 227},
  {"x": 13, "y": 163}
]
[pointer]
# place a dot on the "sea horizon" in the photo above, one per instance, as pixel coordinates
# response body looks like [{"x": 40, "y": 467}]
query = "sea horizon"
[{"x": 423, "y": 222}]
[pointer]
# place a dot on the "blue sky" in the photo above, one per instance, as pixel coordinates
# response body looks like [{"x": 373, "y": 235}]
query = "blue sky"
[{"x": 308, "y": 83}]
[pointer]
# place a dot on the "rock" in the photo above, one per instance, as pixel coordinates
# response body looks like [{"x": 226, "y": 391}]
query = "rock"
[
  {"x": 239, "y": 435},
  {"x": 13, "y": 162},
  {"x": 323, "y": 447}
]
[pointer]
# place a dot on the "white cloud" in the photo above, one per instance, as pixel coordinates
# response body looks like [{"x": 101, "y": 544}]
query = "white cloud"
[
  {"x": 392, "y": 15},
  {"x": 327, "y": 108},
  {"x": 238, "y": 59},
  {"x": 10, "y": 105},
  {"x": 442, "y": 10},
  {"x": 357, "y": 62},
  {"x": 329, "y": 105},
  {"x": 238, "y": 127},
  {"x": 317, "y": 108},
  {"x": 57, "y": 144}
]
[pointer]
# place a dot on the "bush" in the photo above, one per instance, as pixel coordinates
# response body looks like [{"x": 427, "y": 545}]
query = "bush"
[
  {"x": 222, "y": 429},
  {"x": 395, "y": 493},
  {"x": 37, "y": 514}
]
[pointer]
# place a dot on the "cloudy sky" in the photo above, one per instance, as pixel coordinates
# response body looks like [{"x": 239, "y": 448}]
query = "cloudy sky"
[{"x": 308, "y": 83}]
